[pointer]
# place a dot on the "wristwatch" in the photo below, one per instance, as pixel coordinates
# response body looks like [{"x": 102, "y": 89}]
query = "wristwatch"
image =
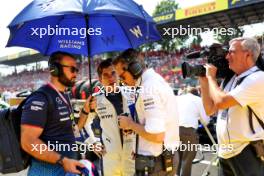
[{"x": 60, "y": 160}]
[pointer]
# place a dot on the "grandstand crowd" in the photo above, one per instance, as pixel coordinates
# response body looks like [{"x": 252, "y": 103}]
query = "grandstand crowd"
[{"x": 167, "y": 64}]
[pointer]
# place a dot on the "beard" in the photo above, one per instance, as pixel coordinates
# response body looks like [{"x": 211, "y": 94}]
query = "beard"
[{"x": 66, "y": 82}]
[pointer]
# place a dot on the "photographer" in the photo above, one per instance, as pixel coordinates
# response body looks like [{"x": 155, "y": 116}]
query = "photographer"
[
  {"x": 234, "y": 102},
  {"x": 156, "y": 121}
]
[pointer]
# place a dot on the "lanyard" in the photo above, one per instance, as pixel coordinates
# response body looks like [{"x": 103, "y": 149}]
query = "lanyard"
[{"x": 63, "y": 99}]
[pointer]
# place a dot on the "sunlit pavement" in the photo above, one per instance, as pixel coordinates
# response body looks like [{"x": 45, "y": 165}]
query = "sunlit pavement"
[{"x": 198, "y": 168}]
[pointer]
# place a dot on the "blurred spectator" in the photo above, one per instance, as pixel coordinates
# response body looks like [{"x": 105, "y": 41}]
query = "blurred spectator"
[{"x": 190, "y": 108}]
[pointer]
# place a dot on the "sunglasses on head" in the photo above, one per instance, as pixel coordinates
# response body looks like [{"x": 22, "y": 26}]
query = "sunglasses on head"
[{"x": 72, "y": 68}]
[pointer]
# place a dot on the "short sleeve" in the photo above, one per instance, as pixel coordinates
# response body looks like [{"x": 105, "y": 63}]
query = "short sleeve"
[
  {"x": 35, "y": 111},
  {"x": 250, "y": 90},
  {"x": 154, "y": 112}
]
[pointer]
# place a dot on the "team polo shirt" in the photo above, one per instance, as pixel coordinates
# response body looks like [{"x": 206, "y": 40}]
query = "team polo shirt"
[
  {"x": 57, "y": 128},
  {"x": 233, "y": 129},
  {"x": 156, "y": 108}
]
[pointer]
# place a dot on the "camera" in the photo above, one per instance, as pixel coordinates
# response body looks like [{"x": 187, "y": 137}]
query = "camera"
[
  {"x": 215, "y": 54},
  {"x": 144, "y": 164}
]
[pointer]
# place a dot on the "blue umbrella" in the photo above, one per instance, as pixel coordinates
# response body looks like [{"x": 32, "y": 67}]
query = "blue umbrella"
[{"x": 85, "y": 27}]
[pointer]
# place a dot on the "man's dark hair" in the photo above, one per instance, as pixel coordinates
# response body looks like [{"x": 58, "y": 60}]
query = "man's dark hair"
[
  {"x": 126, "y": 57},
  {"x": 129, "y": 56},
  {"x": 193, "y": 91},
  {"x": 104, "y": 64},
  {"x": 57, "y": 56}
]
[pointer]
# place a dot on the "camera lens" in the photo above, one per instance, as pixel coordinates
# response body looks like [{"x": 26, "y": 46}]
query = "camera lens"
[{"x": 188, "y": 70}]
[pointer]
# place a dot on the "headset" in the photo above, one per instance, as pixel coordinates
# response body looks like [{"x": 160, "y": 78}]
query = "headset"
[
  {"x": 55, "y": 69},
  {"x": 134, "y": 67}
]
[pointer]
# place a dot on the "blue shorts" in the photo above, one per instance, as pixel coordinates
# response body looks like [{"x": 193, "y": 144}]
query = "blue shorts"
[{"x": 40, "y": 168}]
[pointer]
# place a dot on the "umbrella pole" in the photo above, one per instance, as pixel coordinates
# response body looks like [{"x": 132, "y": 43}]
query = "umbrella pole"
[
  {"x": 90, "y": 71},
  {"x": 89, "y": 52}
]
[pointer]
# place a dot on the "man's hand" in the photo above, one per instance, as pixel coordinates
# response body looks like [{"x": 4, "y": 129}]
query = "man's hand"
[
  {"x": 210, "y": 71},
  {"x": 70, "y": 165},
  {"x": 125, "y": 122},
  {"x": 90, "y": 104},
  {"x": 203, "y": 80}
]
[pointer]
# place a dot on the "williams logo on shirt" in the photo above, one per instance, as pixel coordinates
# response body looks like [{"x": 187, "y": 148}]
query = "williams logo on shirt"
[{"x": 107, "y": 116}]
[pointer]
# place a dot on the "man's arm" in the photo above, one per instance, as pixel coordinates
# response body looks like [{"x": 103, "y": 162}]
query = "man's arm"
[
  {"x": 31, "y": 143},
  {"x": 208, "y": 103},
  {"x": 89, "y": 104},
  {"x": 128, "y": 123},
  {"x": 221, "y": 99}
]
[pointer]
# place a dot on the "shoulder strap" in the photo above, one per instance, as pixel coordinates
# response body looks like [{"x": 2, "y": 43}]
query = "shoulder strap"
[
  {"x": 250, "y": 110},
  {"x": 250, "y": 118},
  {"x": 227, "y": 79}
]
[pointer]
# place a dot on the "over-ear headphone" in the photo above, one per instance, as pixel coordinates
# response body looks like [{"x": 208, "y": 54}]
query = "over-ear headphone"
[
  {"x": 55, "y": 69},
  {"x": 135, "y": 68}
]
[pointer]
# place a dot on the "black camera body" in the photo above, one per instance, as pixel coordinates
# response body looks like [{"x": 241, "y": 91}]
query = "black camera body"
[
  {"x": 215, "y": 54},
  {"x": 144, "y": 164},
  {"x": 258, "y": 147}
]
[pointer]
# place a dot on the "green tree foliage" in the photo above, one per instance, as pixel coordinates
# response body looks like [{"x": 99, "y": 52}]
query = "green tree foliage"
[
  {"x": 224, "y": 39},
  {"x": 167, "y": 44},
  {"x": 165, "y": 6}
]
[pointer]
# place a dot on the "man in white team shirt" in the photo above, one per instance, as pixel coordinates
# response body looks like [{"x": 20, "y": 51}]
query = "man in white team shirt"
[
  {"x": 233, "y": 126},
  {"x": 156, "y": 110},
  {"x": 191, "y": 110}
]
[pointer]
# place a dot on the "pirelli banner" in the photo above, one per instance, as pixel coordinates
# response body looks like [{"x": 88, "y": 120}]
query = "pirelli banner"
[{"x": 206, "y": 8}]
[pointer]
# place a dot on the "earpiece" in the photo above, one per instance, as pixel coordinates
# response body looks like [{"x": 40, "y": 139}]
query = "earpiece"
[
  {"x": 55, "y": 69},
  {"x": 135, "y": 68}
]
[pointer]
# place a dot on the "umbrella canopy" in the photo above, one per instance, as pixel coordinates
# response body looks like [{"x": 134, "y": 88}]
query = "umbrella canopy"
[{"x": 85, "y": 27}]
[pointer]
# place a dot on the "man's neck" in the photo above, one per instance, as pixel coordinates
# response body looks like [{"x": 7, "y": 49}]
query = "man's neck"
[
  {"x": 58, "y": 85},
  {"x": 246, "y": 69}
]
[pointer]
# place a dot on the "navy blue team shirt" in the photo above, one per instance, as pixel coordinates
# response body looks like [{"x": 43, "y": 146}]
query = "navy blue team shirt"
[{"x": 57, "y": 129}]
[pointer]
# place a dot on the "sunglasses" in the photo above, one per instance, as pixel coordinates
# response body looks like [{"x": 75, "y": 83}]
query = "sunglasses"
[{"x": 72, "y": 68}]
